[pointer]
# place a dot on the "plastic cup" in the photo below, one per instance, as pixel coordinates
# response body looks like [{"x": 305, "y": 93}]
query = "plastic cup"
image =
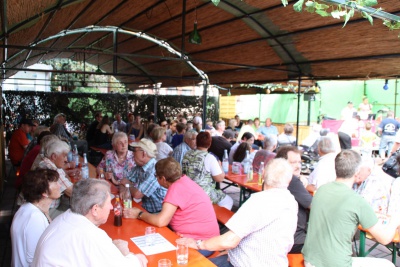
[
  {"x": 150, "y": 233},
  {"x": 182, "y": 251},
  {"x": 164, "y": 263}
]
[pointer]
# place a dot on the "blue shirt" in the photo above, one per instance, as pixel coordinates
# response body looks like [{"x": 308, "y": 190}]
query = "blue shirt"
[
  {"x": 271, "y": 130},
  {"x": 389, "y": 126},
  {"x": 147, "y": 184},
  {"x": 180, "y": 151},
  {"x": 177, "y": 139}
]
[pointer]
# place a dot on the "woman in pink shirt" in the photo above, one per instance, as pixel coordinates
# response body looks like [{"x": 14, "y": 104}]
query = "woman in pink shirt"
[{"x": 187, "y": 209}]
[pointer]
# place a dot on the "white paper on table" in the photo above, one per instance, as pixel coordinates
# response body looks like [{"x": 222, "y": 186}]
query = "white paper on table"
[{"x": 160, "y": 244}]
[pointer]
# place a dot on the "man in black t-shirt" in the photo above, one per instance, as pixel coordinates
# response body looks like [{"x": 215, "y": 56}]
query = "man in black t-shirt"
[
  {"x": 220, "y": 143},
  {"x": 92, "y": 128}
]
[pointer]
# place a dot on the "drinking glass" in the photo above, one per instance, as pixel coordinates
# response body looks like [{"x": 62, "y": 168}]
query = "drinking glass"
[
  {"x": 109, "y": 172},
  {"x": 182, "y": 251},
  {"x": 150, "y": 233},
  {"x": 101, "y": 174},
  {"x": 164, "y": 263}
]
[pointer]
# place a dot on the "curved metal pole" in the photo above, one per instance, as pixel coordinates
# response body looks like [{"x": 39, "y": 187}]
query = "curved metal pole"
[
  {"x": 112, "y": 29},
  {"x": 205, "y": 87}
]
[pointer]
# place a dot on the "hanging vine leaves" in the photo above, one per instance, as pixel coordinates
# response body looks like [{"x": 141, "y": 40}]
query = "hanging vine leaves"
[{"x": 340, "y": 10}]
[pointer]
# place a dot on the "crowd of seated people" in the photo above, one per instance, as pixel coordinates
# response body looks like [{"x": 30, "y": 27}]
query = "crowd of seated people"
[{"x": 174, "y": 170}]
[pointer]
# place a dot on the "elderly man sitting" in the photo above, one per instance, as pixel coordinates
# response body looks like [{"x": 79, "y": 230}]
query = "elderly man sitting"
[
  {"x": 189, "y": 143},
  {"x": 266, "y": 238},
  {"x": 75, "y": 239},
  {"x": 325, "y": 169},
  {"x": 58, "y": 128},
  {"x": 54, "y": 158},
  {"x": 142, "y": 179}
]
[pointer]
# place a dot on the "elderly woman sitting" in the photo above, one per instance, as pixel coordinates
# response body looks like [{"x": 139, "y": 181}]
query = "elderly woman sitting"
[
  {"x": 39, "y": 188},
  {"x": 204, "y": 169},
  {"x": 159, "y": 136},
  {"x": 119, "y": 161},
  {"x": 54, "y": 158},
  {"x": 186, "y": 209}
]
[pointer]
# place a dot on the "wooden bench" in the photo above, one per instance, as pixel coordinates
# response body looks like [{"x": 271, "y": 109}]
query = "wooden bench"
[
  {"x": 295, "y": 260},
  {"x": 223, "y": 214}
]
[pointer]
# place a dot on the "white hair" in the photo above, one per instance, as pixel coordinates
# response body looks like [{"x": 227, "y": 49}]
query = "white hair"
[{"x": 278, "y": 173}]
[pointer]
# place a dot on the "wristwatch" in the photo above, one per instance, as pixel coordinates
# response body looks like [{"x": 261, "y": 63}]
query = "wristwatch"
[
  {"x": 198, "y": 243},
  {"x": 140, "y": 214}
]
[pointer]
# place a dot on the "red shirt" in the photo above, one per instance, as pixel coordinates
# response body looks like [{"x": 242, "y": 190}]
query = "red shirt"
[
  {"x": 27, "y": 164},
  {"x": 195, "y": 216},
  {"x": 17, "y": 145}
]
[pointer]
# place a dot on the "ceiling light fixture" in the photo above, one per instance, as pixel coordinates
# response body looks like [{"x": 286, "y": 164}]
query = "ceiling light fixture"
[
  {"x": 194, "y": 36},
  {"x": 386, "y": 86}
]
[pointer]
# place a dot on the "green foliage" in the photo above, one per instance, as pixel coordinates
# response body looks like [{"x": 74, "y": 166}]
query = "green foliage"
[
  {"x": 392, "y": 25},
  {"x": 346, "y": 10},
  {"x": 73, "y": 76},
  {"x": 80, "y": 107}
]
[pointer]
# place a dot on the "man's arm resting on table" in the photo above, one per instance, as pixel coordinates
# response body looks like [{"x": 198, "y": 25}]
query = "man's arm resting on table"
[
  {"x": 384, "y": 233},
  {"x": 228, "y": 240}
]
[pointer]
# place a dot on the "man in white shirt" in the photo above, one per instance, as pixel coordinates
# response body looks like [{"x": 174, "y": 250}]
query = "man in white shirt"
[
  {"x": 266, "y": 238},
  {"x": 219, "y": 128},
  {"x": 348, "y": 112},
  {"x": 74, "y": 239},
  {"x": 324, "y": 172}
]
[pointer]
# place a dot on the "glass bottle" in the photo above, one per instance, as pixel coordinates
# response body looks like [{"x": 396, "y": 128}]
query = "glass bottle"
[
  {"x": 127, "y": 198},
  {"x": 225, "y": 162},
  {"x": 117, "y": 212}
]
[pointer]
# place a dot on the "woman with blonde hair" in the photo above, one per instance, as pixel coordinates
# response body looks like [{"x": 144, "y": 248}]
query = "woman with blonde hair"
[{"x": 159, "y": 136}]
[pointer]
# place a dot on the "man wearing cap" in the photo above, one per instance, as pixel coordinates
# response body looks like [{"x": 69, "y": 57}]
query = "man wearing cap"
[
  {"x": 142, "y": 179},
  {"x": 348, "y": 111},
  {"x": 19, "y": 141},
  {"x": 220, "y": 143}
]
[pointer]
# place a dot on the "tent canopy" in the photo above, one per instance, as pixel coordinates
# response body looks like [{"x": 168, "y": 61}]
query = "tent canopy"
[{"x": 143, "y": 43}]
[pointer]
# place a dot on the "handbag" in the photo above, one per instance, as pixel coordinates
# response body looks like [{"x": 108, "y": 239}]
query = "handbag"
[{"x": 390, "y": 166}]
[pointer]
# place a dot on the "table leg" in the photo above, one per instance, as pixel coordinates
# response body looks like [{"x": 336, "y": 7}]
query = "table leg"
[
  {"x": 394, "y": 252},
  {"x": 241, "y": 196},
  {"x": 362, "y": 244}
]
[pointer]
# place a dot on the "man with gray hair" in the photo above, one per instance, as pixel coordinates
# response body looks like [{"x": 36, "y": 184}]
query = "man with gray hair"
[
  {"x": 274, "y": 227},
  {"x": 387, "y": 128},
  {"x": 220, "y": 128},
  {"x": 58, "y": 128},
  {"x": 324, "y": 172},
  {"x": 142, "y": 180},
  {"x": 75, "y": 239},
  {"x": 265, "y": 154},
  {"x": 189, "y": 142},
  {"x": 336, "y": 211}
]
